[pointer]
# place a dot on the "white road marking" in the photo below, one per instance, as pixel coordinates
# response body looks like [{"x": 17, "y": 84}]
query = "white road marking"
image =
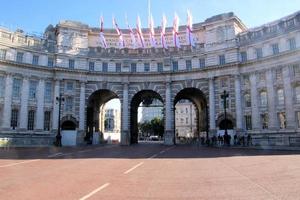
[
  {"x": 94, "y": 191},
  {"x": 55, "y": 155},
  {"x": 153, "y": 156},
  {"x": 19, "y": 163},
  {"x": 133, "y": 168}
]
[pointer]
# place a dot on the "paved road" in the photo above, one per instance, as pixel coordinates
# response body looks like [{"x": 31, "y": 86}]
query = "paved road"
[{"x": 148, "y": 171}]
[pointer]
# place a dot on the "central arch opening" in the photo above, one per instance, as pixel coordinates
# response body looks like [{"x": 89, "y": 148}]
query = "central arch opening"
[
  {"x": 191, "y": 120},
  {"x": 103, "y": 117},
  {"x": 146, "y": 117}
]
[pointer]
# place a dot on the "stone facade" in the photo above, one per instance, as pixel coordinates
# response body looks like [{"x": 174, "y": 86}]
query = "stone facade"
[{"x": 259, "y": 68}]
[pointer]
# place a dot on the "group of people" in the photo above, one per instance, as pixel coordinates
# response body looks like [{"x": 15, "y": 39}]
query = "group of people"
[{"x": 225, "y": 140}]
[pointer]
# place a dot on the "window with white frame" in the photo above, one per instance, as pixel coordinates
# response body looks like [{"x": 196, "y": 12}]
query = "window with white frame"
[
  {"x": 222, "y": 60},
  {"x": 48, "y": 92},
  {"x": 14, "y": 118},
  {"x": 91, "y": 66},
  {"x": 2, "y": 54},
  {"x": 175, "y": 66},
  {"x": 297, "y": 94},
  {"x": 259, "y": 53},
  {"x": 264, "y": 120},
  {"x": 71, "y": 63},
  {"x": 243, "y": 56},
  {"x": 292, "y": 43},
  {"x": 50, "y": 62},
  {"x": 202, "y": 62},
  {"x": 146, "y": 67},
  {"x": 20, "y": 57},
  {"x": 275, "y": 48},
  {"x": 118, "y": 67},
  {"x": 35, "y": 60},
  {"x": 160, "y": 67},
  {"x": 17, "y": 84},
  {"x": 280, "y": 97},
  {"x": 47, "y": 120},
  {"x": 188, "y": 64},
  {"x": 69, "y": 86},
  {"x": 32, "y": 89},
  {"x": 69, "y": 104},
  {"x": 31, "y": 116},
  {"x": 133, "y": 67},
  {"x": 2, "y": 86},
  {"x": 104, "y": 66},
  {"x": 263, "y": 98},
  {"x": 282, "y": 120}
]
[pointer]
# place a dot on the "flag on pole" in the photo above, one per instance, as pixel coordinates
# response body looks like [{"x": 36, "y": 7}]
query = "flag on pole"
[
  {"x": 175, "y": 31},
  {"x": 132, "y": 35},
  {"x": 163, "y": 32},
  {"x": 119, "y": 32},
  {"x": 102, "y": 38},
  {"x": 139, "y": 31},
  {"x": 151, "y": 32},
  {"x": 189, "y": 29}
]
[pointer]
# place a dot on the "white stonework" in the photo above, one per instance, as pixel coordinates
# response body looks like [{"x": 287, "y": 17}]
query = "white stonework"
[{"x": 79, "y": 58}]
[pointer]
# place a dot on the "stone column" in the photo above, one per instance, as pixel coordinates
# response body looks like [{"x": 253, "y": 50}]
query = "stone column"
[
  {"x": 24, "y": 104},
  {"x": 212, "y": 110},
  {"x": 169, "y": 112},
  {"x": 55, "y": 105},
  {"x": 254, "y": 103},
  {"x": 40, "y": 105},
  {"x": 82, "y": 106},
  {"x": 125, "y": 136},
  {"x": 288, "y": 97},
  {"x": 238, "y": 103},
  {"x": 7, "y": 102},
  {"x": 273, "y": 123}
]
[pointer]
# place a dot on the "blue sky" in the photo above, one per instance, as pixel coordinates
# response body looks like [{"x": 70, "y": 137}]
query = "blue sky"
[{"x": 35, "y": 15}]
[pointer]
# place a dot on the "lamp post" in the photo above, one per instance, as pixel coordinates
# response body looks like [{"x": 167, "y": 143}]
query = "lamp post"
[
  {"x": 58, "y": 136},
  {"x": 224, "y": 96}
]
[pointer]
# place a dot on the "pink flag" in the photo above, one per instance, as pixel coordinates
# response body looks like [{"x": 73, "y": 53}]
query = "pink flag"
[
  {"x": 121, "y": 40},
  {"x": 132, "y": 35},
  {"x": 189, "y": 29},
  {"x": 175, "y": 31},
  {"x": 102, "y": 38},
  {"x": 163, "y": 32},
  {"x": 152, "y": 33},
  {"x": 139, "y": 32}
]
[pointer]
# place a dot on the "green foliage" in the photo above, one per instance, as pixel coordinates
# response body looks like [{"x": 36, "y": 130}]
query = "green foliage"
[{"x": 154, "y": 127}]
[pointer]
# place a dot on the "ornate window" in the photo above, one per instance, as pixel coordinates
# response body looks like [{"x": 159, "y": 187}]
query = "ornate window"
[
  {"x": 275, "y": 48},
  {"x": 47, "y": 120},
  {"x": 263, "y": 98},
  {"x": 222, "y": 60},
  {"x": 71, "y": 63},
  {"x": 160, "y": 67},
  {"x": 292, "y": 43},
  {"x": 175, "y": 66},
  {"x": 104, "y": 66},
  {"x": 118, "y": 67},
  {"x": 146, "y": 67},
  {"x": 133, "y": 67},
  {"x": 31, "y": 116},
  {"x": 91, "y": 66},
  {"x": 247, "y": 100},
  {"x": 69, "y": 86},
  {"x": 20, "y": 57},
  {"x": 243, "y": 56},
  {"x": 259, "y": 53},
  {"x": 69, "y": 104},
  {"x": 264, "y": 120},
  {"x": 35, "y": 60},
  {"x": 188, "y": 64},
  {"x": 32, "y": 89},
  {"x": 14, "y": 118},
  {"x": 17, "y": 83},
  {"x": 280, "y": 96},
  {"x": 48, "y": 92},
  {"x": 50, "y": 62},
  {"x": 248, "y": 122},
  {"x": 202, "y": 62}
]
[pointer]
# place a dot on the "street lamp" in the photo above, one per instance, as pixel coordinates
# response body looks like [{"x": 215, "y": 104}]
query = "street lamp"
[
  {"x": 58, "y": 135},
  {"x": 224, "y": 96}
]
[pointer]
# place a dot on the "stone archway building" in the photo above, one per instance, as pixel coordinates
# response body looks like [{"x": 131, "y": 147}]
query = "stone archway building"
[{"x": 258, "y": 67}]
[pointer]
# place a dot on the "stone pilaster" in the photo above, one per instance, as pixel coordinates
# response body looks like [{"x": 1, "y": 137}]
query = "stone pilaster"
[
  {"x": 255, "y": 116},
  {"x": 7, "y": 102},
  {"x": 273, "y": 123},
  {"x": 238, "y": 103},
  {"x": 40, "y": 105},
  {"x": 82, "y": 106},
  {"x": 125, "y": 136},
  {"x": 169, "y": 112},
  {"x": 288, "y": 97},
  {"x": 212, "y": 110},
  {"x": 55, "y": 105},
  {"x": 24, "y": 104}
]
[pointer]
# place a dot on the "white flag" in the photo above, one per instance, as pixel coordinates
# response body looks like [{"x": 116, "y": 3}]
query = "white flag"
[
  {"x": 121, "y": 40},
  {"x": 132, "y": 36},
  {"x": 189, "y": 29},
  {"x": 102, "y": 38},
  {"x": 175, "y": 31},
  {"x": 139, "y": 31},
  {"x": 163, "y": 32},
  {"x": 151, "y": 32}
]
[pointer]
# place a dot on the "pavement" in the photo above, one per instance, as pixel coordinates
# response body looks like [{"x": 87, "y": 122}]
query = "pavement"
[{"x": 149, "y": 171}]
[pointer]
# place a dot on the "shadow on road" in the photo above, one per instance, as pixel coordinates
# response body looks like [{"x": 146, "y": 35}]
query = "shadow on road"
[{"x": 138, "y": 151}]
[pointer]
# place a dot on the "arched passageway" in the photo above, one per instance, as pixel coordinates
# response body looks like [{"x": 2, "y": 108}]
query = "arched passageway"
[
  {"x": 145, "y": 97},
  {"x": 198, "y": 116}
]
